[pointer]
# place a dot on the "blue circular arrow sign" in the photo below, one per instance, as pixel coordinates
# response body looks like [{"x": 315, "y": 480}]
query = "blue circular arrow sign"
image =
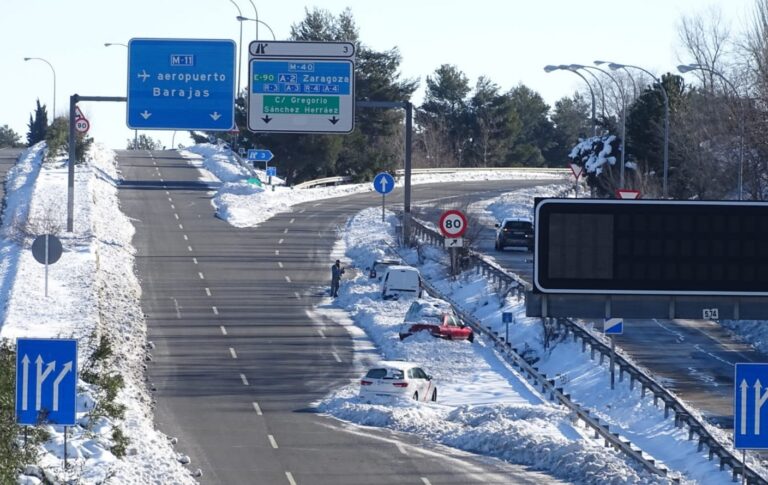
[{"x": 384, "y": 183}]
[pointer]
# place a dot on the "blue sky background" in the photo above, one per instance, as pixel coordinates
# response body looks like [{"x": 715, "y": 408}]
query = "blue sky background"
[{"x": 507, "y": 40}]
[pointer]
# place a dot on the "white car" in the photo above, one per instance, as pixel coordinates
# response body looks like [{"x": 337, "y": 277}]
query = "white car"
[
  {"x": 398, "y": 379},
  {"x": 401, "y": 281}
]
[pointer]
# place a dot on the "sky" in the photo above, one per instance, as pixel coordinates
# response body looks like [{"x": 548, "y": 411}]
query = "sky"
[{"x": 508, "y": 41}]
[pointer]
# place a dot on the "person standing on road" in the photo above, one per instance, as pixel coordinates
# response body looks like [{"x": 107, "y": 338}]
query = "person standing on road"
[{"x": 336, "y": 272}]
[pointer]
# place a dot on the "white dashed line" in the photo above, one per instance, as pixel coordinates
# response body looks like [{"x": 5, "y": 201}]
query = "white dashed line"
[
  {"x": 318, "y": 204},
  {"x": 186, "y": 238},
  {"x": 257, "y": 408},
  {"x": 272, "y": 441},
  {"x": 181, "y": 226},
  {"x": 291, "y": 481},
  {"x": 200, "y": 275},
  {"x": 277, "y": 252},
  {"x": 425, "y": 481},
  {"x": 280, "y": 241},
  {"x": 173, "y": 207},
  {"x": 232, "y": 353},
  {"x": 170, "y": 200},
  {"x": 302, "y": 211},
  {"x": 279, "y": 263},
  {"x": 401, "y": 448},
  {"x": 167, "y": 193},
  {"x": 189, "y": 248},
  {"x": 176, "y": 216},
  {"x": 288, "y": 279},
  {"x": 291, "y": 221},
  {"x": 208, "y": 291},
  {"x": 285, "y": 231},
  {"x": 296, "y": 294},
  {"x": 194, "y": 260},
  {"x": 244, "y": 379},
  {"x": 223, "y": 330},
  {"x": 320, "y": 331},
  {"x": 161, "y": 179},
  {"x": 215, "y": 310},
  {"x": 336, "y": 356}
]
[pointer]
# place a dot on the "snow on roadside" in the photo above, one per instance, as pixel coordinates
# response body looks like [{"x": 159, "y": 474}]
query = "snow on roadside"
[
  {"x": 484, "y": 406},
  {"x": 93, "y": 292},
  {"x": 247, "y": 205}
]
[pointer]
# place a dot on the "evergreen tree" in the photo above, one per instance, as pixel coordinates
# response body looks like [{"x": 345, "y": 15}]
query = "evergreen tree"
[
  {"x": 445, "y": 110},
  {"x": 494, "y": 124},
  {"x": 572, "y": 121},
  {"x": 535, "y": 145},
  {"x": 9, "y": 138},
  {"x": 37, "y": 125}
]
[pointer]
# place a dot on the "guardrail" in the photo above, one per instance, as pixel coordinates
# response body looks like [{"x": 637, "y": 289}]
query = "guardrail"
[
  {"x": 323, "y": 181},
  {"x": 563, "y": 171},
  {"x": 507, "y": 282}
]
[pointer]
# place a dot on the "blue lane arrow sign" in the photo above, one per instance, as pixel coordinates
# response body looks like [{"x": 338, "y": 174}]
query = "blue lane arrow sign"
[
  {"x": 271, "y": 171},
  {"x": 613, "y": 326},
  {"x": 260, "y": 155},
  {"x": 384, "y": 183},
  {"x": 750, "y": 413},
  {"x": 46, "y": 380},
  {"x": 506, "y": 317},
  {"x": 181, "y": 84}
]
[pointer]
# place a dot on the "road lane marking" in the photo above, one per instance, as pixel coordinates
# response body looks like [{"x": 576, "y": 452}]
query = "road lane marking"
[
  {"x": 257, "y": 409},
  {"x": 280, "y": 241},
  {"x": 178, "y": 308},
  {"x": 189, "y": 248},
  {"x": 279, "y": 263},
  {"x": 402, "y": 449},
  {"x": 291, "y": 221},
  {"x": 320, "y": 331},
  {"x": 170, "y": 200},
  {"x": 425, "y": 481},
  {"x": 296, "y": 294},
  {"x": 291, "y": 481},
  {"x": 173, "y": 207},
  {"x": 167, "y": 193},
  {"x": 200, "y": 275},
  {"x": 186, "y": 238},
  {"x": 176, "y": 216},
  {"x": 288, "y": 279},
  {"x": 223, "y": 329},
  {"x": 336, "y": 356},
  {"x": 285, "y": 231},
  {"x": 161, "y": 179},
  {"x": 232, "y": 353},
  {"x": 272, "y": 441},
  {"x": 277, "y": 252},
  {"x": 318, "y": 204},
  {"x": 194, "y": 260},
  {"x": 215, "y": 310},
  {"x": 181, "y": 226},
  {"x": 208, "y": 291},
  {"x": 244, "y": 379}
]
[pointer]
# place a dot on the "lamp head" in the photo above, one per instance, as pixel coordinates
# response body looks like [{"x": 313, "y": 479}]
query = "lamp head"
[
  {"x": 575, "y": 66},
  {"x": 613, "y": 66},
  {"x": 683, "y": 68},
  {"x": 241, "y": 18},
  {"x": 600, "y": 63},
  {"x": 550, "y": 68},
  {"x": 27, "y": 58}
]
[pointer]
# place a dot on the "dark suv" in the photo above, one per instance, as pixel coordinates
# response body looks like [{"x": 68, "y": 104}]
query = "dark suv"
[{"x": 514, "y": 232}]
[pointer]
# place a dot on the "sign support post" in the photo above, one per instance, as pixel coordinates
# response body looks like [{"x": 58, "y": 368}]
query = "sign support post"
[
  {"x": 383, "y": 196},
  {"x": 613, "y": 358},
  {"x": 46, "y": 265}
]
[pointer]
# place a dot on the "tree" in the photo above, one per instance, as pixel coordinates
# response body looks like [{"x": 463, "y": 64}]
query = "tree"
[
  {"x": 445, "y": 109},
  {"x": 9, "y": 138},
  {"x": 494, "y": 125},
  {"x": 143, "y": 142},
  {"x": 534, "y": 146},
  {"x": 57, "y": 141},
  {"x": 37, "y": 125},
  {"x": 572, "y": 121}
]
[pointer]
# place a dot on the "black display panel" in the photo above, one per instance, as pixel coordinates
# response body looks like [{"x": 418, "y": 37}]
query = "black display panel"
[{"x": 651, "y": 247}]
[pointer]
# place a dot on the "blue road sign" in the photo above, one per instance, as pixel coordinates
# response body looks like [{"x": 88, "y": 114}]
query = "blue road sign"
[
  {"x": 181, "y": 84},
  {"x": 271, "y": 171},
  {"x": 506, "y": 317},
  {"x": 613, "y": 326},
  {"x": 260, "y": 155},
  {"x": 750, "y": 413},
  {"x": 46, "y": 381},
  {"x": 384, "y": 183}
]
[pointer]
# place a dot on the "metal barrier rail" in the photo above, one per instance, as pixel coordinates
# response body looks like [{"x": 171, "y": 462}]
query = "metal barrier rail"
[
  {"x": 508, "y": 282},
  {"x": 562, "y": 171},
  {"x": 323, "y": 181},
  {"x": 548, "y": 386}
]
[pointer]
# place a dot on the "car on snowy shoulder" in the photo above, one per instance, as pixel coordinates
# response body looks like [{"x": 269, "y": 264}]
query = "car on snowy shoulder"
[
  {"x": 379, "y": 265},
  {"x": 399, "y": 282},
  {"x": 398, "y": 379},
  {"x": 436, "y": 317}
]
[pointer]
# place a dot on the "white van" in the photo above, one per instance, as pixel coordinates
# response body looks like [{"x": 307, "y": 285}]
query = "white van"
[{"x": 401, "y": 281}]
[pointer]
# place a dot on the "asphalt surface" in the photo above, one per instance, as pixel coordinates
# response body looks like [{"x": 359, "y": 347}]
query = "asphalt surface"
[{"x": 238, "y": 361}]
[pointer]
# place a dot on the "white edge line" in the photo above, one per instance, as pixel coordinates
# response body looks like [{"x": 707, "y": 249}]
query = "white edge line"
[
  {"x": 289, "y": 476},
  {"x": 272, "y": 441},
  {"x": 257, "y": 409}
]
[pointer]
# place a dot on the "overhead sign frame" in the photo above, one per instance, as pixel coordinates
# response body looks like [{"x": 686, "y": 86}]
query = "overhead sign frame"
[
  {"x": 181, "y": 84},
  {"x": 301, "y": 87}
]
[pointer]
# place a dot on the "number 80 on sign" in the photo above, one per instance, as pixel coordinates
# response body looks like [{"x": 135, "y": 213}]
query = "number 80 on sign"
[{"x": 453, "y": 223}]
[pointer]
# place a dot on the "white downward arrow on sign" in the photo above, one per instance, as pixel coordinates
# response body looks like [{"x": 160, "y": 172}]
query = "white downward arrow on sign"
[
  {"x": 215, "y": 115},
  {"x": 146, "y": 114}
]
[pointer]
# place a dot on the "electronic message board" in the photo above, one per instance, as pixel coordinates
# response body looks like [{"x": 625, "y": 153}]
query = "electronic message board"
[{"x": 654, "y": 247}]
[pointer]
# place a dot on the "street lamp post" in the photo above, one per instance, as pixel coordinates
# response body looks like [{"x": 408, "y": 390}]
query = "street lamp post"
[
  {"x": 613, "y": 66},
  {"x": 243, "y": 19},
  {"x": 623, "y": 115},
  {"x": 551, "y": 68},
  {"x": 690, "y": 67},
  {"x": 256, "y": 14},
  {"x": 53, "y": 114},
  {"x": 239, "y": 46},
  {"x": 135, "y": 132}
]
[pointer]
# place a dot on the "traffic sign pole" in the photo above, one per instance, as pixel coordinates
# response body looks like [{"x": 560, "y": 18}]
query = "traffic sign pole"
[
  {"x": 383, "y": 196},
  {"x": 613, "y": 360}
]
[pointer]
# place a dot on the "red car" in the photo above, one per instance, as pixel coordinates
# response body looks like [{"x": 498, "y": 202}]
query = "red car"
[{"x": 436, "y": 317}]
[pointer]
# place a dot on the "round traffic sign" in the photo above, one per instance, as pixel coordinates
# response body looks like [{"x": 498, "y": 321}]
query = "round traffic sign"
[
  {"x": 453, "y": 223},
  {"x": 82, "y": 125},
  {"x": 384, "y": 183},
  {"x": 53, "y": 248}
]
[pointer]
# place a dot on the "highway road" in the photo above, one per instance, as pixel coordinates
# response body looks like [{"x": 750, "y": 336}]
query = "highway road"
[
  {"x": 693, "y": 358},
  {"x": 238, "y": 361}
]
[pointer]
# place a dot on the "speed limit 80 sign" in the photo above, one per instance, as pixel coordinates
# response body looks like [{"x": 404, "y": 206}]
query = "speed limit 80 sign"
[{"x": 453, "y": 223}]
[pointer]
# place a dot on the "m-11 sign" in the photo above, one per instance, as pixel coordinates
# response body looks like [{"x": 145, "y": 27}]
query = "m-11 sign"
[
  {"x": 301, "y": 87},
  {"x": 651, "y": 247}
]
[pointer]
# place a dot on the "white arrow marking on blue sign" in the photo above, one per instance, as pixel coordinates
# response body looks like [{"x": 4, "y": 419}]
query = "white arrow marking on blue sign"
[
  {"x": 146, "y": 114},
  {"x": 744, "y": 386},
  {"x": 41, "y": 377},
  {"x": 215, "y": 115},
  {"x": 24, "y": 382},
  {"x": 143, "y": 75},
  {"x": 759, "y": 401},
  {"x": 383, "y": 184},
  {"x": 65, "y": 370}
]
